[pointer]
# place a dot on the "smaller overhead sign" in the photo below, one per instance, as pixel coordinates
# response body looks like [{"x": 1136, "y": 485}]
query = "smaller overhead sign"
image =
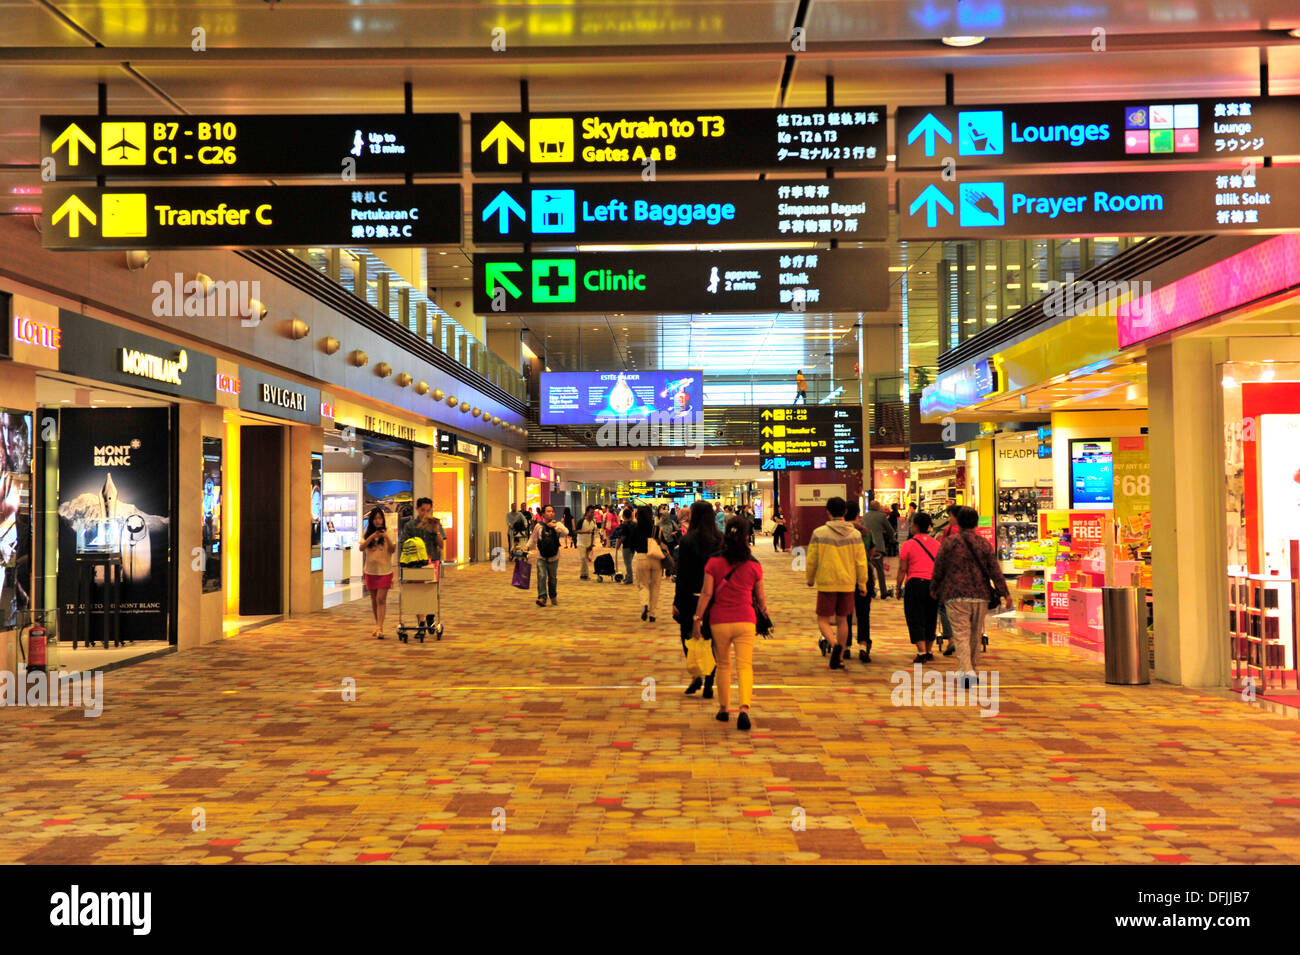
[
  {"x": 845, "y": 137},
  {"x": 727, "y": 282},
  {"x": 817, "y": 438},
  {"x": 167, "y": 217},
  {"x": 682, "y": 211},
  {"x": 167, "y": 146},
  {"x": 1086, "y": 204},
  {"x": 1115, "y": 131}
]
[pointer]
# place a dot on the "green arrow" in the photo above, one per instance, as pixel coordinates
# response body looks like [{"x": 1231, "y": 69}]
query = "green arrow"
[
  {"x": 495, "y": 272},
  {"x": 501, "y": 137},
  {"x": 72, "y": 137},
  {"x": 72, "y": 207}
]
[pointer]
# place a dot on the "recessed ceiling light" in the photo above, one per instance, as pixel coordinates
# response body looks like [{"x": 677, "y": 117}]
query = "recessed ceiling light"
[
  {"x": 963, "y": 40},
  {"x": 1295, "y": 33}
]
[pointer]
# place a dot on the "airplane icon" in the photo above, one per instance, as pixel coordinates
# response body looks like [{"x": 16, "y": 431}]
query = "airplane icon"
[
  {"x": 128, "y": 149},
  {"x": 123, "y": 144}
]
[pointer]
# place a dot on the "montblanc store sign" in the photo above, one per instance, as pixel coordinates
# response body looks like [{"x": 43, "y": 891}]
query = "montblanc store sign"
[
  {"x": 266, "y": 394},
  {"x": 103, "y": 352}
]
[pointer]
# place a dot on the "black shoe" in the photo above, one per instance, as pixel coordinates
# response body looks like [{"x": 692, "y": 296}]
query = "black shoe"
[
  {"x": 929, "y": 658},
  {"x": 695, "y": 685},
  {"x": 644, "y": 612},
  {"x": 708, "y": 688},
  {"x": 952, "y": 648},
  {"x": 742, "y": 721},
  {"x": 970, "y": 682},
  {"x": 541, "y": 601},
  {"x": 824, "y": 645},
  {"x": 919, "y": 658},
  {"x": 836, "y": 653},
  {"x": 652, "y": 619},
  {"x": 984, "y": 642},
  {"x": 723, "y": 716},
  {"x": 864, "y": 655}
]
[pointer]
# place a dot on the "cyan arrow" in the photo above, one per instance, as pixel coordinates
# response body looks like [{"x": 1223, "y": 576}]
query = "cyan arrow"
[
  {"x": 502, "y": 205},
  {"x": 930, "y": 197},
  {"x": 929, "y": 126}
]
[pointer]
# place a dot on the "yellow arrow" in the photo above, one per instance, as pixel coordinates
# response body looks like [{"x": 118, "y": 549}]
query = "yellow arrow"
[
  {"x": 501, "y": 136},
  {"x": 72, "y": 207},
  {"x": 72, "y": 137}
]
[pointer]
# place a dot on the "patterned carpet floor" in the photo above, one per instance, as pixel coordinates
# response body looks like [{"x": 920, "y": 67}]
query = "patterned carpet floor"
[{"x": 531, "y": 735}]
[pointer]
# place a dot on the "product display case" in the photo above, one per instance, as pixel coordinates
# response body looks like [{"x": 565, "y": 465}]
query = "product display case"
[
  {"x": 1261, "y": 627},
  {"x": 1017, "y": 516},
  {"x": 341, "y": 515}
]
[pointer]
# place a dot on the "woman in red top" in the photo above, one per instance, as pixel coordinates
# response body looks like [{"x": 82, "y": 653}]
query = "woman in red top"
[
  {"x": 731, "y": 583},
  {"x": 915, "y": 565}
]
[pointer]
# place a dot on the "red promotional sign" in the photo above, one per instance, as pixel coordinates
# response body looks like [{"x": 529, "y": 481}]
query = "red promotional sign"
[{"x": 1085, "y": 532}]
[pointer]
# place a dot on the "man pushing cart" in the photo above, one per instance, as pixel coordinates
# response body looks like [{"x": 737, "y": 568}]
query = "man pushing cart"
[{"x": 420, "y": 559}]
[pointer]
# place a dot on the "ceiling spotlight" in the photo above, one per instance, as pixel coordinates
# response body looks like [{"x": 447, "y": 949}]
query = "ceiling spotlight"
[
  {"x": 136, "y": 259},
  {"x": 1295, "y": 33},
  {"x": 960, "y": 41}
]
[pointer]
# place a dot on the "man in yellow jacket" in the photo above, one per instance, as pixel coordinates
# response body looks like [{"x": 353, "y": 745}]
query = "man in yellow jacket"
[{"x": 836, "y": 566}]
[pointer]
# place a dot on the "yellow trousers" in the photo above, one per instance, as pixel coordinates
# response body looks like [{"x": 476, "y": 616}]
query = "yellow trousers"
[{"x": 741, "y": 636}]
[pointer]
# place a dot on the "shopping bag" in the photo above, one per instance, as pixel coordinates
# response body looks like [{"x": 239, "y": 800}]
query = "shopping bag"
[
  {"x": 699, "y": 656},
  {"x": 523, "y": 575}
]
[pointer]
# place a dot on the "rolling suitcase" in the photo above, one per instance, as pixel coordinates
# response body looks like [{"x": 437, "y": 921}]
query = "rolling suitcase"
[{"x": 604, "y": 567}]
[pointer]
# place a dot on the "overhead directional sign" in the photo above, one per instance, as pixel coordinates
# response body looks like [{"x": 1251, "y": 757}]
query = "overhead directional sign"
[
  {"x": 733, "y": 282},
  {"x": 158, "y": 147},
  {"x": 846, "y": 137},
  {"x": 685, "y": 211},
  {"x": 166, "y": 217},
  {"x": 1116, "y": 131},
  {"x": 1088, "y": 204},
  {"x": 813, "y": 438}
]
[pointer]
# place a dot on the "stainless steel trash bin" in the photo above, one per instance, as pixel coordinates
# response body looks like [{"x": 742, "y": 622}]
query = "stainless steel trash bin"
[{"x": 1124, "y": 630}]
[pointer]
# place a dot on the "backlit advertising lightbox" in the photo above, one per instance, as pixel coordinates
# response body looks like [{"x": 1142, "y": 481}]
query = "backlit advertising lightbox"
[{"x": 595, "y": 397}]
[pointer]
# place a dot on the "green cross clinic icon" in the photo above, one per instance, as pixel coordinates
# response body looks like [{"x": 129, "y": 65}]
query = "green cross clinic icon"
[{"x": 555, "y": 280}]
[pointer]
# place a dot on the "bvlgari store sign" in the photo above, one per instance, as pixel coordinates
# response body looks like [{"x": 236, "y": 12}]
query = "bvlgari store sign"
[
  {"x": 269, "y": 395},
  {"x": 107, "y": 353}
]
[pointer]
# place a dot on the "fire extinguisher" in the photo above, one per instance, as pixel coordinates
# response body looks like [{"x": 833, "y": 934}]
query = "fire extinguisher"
[{"x": 36, "y": 641}]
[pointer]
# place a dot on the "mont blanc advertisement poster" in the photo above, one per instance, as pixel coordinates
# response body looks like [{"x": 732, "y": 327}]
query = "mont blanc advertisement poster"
[{"x": 114, "y": 501}]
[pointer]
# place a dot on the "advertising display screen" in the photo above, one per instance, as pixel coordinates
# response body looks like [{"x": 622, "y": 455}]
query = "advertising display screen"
[
  {"x": 317, "y": 501},
  {"x": 211, "y": 515},
  {"x": 596, "y": 397},
  {"x": 115, "y": 499},
  {"x": 1092, "y": 485},
  {"x": 15, "y": 515}
]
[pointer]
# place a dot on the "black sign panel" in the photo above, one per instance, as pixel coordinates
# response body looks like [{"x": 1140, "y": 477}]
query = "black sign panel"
[
  {"x": 812, "y": 438},
  {"x": 727, "y": 282},
  {"x": 451, "y": 443},
  {"x": 847, "y": 137},
  {"x": 171, "y": 217},
  {"x": 269, "y": 395},
  {"x": 160, "y": 147},
  {"x": 682, "y": 211},
  {"x": 1155, "y": 203},
  {"x": 1116, "y": 131},
  {"x": 104, "y": 352}
]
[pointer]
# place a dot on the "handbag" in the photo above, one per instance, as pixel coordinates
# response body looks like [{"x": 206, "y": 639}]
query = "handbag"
[
  {"x": 993, "y": 599},
  {"x": 653, "y": 550},
  {"x": 523, "y": 574},
  {"x": 762, "y": 622},
  {"x": 699, "y": 656}
]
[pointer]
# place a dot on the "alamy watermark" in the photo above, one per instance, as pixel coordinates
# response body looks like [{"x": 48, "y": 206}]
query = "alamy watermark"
[
  {"x": 203, "y": 297},
  {"x": 917, "y": 687},
  {"x": 657, "y": 429},
  {"x": 80, "y": 688},
  {"x": 1082, "y": 296}
]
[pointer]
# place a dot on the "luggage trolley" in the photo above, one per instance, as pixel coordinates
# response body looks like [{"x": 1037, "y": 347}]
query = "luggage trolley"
[{"x": 420, "y": 594}]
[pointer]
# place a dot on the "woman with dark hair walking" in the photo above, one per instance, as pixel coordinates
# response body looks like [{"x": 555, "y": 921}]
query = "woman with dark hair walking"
[
  {"x": 567, "y": 521},
  {"x": 378, "y": 549},
  {"x": 733, "y": 584},
  {"x": 647, "y": 560},
  {"x": 701, "y": 542},
  {"x": 778, "y": 530}
]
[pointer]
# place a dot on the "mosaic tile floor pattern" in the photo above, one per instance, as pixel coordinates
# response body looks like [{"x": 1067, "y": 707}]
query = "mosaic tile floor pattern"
[{"x": 524, "y": 736}]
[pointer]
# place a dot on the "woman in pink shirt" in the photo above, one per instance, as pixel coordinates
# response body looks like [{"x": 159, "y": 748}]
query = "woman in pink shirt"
[
  {"x": 733, "y": 583},
  {"x": 915, "y": 565}
]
